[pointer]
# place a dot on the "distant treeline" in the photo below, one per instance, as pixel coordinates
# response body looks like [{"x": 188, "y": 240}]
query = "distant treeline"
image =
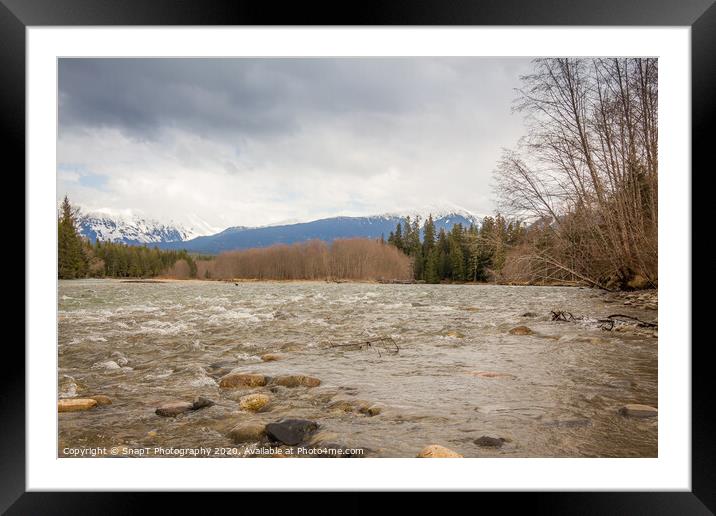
[
  {"x": 461, "y": 254},
  {"x": 347, "y": 259},
  {"x": 78, "y": 258}
]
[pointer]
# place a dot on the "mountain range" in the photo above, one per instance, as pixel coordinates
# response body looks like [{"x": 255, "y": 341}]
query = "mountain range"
[{"x": 138, "y": 231}]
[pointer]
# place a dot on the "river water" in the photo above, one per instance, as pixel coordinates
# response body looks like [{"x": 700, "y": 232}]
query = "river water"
[{"x": 557, "y": 393}]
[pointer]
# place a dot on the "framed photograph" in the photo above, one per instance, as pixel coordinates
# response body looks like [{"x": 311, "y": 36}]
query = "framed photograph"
[{"x": 455, "y": 232}]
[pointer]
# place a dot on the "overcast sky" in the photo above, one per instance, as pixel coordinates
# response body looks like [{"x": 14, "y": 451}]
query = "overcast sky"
[{"x": 258, "y": 141}]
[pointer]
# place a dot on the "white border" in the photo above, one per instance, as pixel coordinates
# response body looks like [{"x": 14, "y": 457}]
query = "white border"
[{"x": 671, "y": 471}]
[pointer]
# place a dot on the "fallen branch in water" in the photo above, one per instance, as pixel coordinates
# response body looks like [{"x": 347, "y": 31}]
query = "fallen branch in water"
[
  {"x": 388, "y": 345},
  {"x": 642, "y": 324},
  {"x": 605, "y": 324}
]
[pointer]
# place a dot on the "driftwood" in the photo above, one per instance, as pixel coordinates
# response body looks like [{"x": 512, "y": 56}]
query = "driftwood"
[
  {"x": 605, "y": 324},
  {"x": 387, "y": 344}
]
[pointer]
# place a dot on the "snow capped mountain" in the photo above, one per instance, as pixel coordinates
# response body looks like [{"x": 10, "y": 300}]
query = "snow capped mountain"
[
  {"x": 203, "y": 238},
  {"x": 131, "y": 229}
]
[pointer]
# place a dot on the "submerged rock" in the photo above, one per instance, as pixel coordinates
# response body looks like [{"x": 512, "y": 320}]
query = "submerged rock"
[
  {"x": 490, "y": 441},
  {"x": 271, "y": 357},
  {"x": 75, "y": 404},
  {"x": 254, "y": 402},
  {"x": 247, "y": 432},
  {"x": 455, "y": 334},
  {"x": 296, "y": 381},
  {"x": 174, "y": 408},
  {"x": 529, "y": 314},
  {"x": 201, "y": 402},
  {"x": 521, "y": 330},
  {"x": 435, "y": 451},
  {"x": 291, "y": 431},
  {"x": 232, "y": 380},
  {"x": 101, "y": 399},
  {"x": 637, "y": 410}
]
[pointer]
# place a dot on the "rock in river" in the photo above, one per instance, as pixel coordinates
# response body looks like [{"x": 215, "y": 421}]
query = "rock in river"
[
  {"x": 521, "y": 330},
  {"x": 174, "y": 408},
  {"x": 270, "y": 357},
  {"x": 201, "y": 402},
  {"x": 75, "y": 404},
  {"x": 296, "y": 381},
  {"x": 247, "y": 432},
  {"x": 490, "y": 441},
  {"x": 435, "y": 451},
  {"x": 291, "y": 431},
  {"x": 242, "y": 380},
  {"x": 636, "y": 410},
  {"x": 254, "y": 402}
]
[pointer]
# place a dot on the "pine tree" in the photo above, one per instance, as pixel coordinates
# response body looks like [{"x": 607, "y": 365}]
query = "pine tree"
[{"x": 72, "y": 262}]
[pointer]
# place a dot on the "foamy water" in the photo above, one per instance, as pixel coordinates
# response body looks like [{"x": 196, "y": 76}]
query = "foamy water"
[{"x": 142, "y": 344}]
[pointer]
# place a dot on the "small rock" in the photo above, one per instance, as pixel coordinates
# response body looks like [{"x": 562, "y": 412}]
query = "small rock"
[
  {"x": 373, "y": 410},
  {"x": 152, "y": 434},
  {"x": 490, "y": 441},
  {"x": 636, "y": 410},
  {"x": 291, "y": 431},
  {"x": 270, "y": 357},
  {"x": 101, "y": 399},
  {"x": 529, "y": 314},
  {"x": 75, "y": 404},
  {"x": 174, "y": 408},
  {"x": 242, "y": 380},
  {"x": 254, "y": 402},
  {"x": 200, "y": 402},
  {"x": 521, "y": 330},
  {"x": 435, "y": 451},
  {"x": 109, "y": 365},
  {"x": 296, "y": 381},
  {"x": 247, "y": 432},
  {"x": 471, "y": 309}
]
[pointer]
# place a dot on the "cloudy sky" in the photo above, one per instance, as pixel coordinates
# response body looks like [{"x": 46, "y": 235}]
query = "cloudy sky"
[{"x": 226, "y": 142}]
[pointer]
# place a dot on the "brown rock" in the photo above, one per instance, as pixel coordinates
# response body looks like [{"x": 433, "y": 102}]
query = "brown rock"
[
  {"x": 435, "y": 451},
  {"x": 75, "y": 404},
  {"x": 173, "y": 408},
  {"x": 521, "y": 330},
  {"x": 270, "y": 357},
  {"x": 254, "y": 402},
  {"x": 247, "y": 432},
  {"x": 101, "y": 399},
  {"x": 489, "y": 441},
  {"x": 297, "y": 381},
  {"x": 232, "y": 380},
  {"x": 636, "y": 410},
  {"x": 455, "y": 334}
]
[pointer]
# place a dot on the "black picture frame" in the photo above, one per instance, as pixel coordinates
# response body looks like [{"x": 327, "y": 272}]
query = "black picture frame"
[{"x": 17, "y": 15}]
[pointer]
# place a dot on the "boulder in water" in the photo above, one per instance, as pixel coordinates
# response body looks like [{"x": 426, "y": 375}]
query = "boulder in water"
[
  {"x": 254, "y": 402},
  {"x": 291, "y": 431},
  {"x": 247, "y": 432},
  {"x": 270, "y": 357},
  {"x": 200, "y": 403},
  {"x": 521, "y": 330},
  {"x": 174, "y": 408},
  {"x": 296, "y": 381},
  {"x": 75, "y": 404},
  {"x": 232, "y": 380},
  {"x": 435, "y": 451}
]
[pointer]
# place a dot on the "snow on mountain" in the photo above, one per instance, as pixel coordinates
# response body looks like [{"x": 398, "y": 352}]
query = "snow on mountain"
[{"x": 132, "y": 230}]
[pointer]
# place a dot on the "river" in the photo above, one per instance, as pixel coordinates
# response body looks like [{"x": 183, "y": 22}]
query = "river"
[{"x": 553, "y": 393}]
